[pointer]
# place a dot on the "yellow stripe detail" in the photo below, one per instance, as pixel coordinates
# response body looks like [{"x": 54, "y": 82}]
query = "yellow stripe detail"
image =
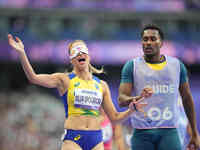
[{"x": 157, "y": 66}]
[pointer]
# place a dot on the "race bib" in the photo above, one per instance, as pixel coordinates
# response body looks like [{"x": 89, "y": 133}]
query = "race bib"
[{"x": 88, "y": 99}]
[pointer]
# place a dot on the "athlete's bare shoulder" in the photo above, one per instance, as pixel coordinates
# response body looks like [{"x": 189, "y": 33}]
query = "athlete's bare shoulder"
[
  {"x": 104, "y": 86},
  {"x": 63, "y": 81},
  {"x": 62, "y": 76}
]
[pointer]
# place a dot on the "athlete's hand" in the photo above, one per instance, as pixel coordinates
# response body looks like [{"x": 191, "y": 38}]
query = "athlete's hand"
[
  {"x": 137, "y": 104},
  {"x": 16, "y": 44},
  {"x": 146, "y": 92},
  {"x": 194, "y": 143}
]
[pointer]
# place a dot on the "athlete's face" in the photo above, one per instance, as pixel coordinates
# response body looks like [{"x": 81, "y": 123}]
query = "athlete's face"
[
  {"x": 81, "y": 59},
  {"x": 151, "y": 42}
]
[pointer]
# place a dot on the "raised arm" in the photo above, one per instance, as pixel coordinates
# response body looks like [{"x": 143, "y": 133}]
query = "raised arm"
[
  {"x": 109, "y": 107},
  {"x": 47, "y": 80}
]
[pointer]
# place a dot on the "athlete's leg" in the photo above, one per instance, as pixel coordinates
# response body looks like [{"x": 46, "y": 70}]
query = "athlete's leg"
[
  {"x": 141, "y": 140},
  {"x": 70, "y": 145},
  {"x": 99, "y": 146},
  {"x": 170, "y": 140}
]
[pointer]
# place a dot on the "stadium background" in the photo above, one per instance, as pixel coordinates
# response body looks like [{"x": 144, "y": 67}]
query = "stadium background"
[{"x": 32, "y": 116}]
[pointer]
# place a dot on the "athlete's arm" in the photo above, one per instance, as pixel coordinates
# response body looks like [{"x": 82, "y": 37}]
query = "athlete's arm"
[
  {"x": 125, "y": 98},
  {"x": 109, "y": 107},
  {"x": 126, "y": 85},
  {"x": 46, "y": 80},
  {"x": 188, "y": 105}
]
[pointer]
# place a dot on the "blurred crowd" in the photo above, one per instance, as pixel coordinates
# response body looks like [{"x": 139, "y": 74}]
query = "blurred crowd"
[
  {"x": 30, "y": 120},
  {"x": 51, "y": 34},
  {"x": 46, "y": 38},
  {"x": 122, "y": 5}
]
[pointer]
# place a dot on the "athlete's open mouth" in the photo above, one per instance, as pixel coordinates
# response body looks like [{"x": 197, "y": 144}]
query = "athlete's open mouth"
[{"x": 81, "y": 60}]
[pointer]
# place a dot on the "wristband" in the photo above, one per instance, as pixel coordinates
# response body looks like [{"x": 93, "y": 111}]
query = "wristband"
[{"x": 134, "y": 106}]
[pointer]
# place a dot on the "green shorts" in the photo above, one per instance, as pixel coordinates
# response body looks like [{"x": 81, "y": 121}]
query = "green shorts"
[{"x": 155, "y": 139}]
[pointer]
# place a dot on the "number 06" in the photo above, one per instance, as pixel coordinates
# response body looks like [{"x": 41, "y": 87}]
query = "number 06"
[{"x": 155, "y": 114}]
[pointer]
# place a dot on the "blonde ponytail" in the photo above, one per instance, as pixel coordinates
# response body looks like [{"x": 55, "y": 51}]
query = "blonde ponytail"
[{"x": 95, "y": 70}]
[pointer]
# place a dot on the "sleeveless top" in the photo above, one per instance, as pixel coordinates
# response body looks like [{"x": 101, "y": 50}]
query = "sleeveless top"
[
  {"x": 161, "y": 111},
  {"x": 83, "y": 97}
]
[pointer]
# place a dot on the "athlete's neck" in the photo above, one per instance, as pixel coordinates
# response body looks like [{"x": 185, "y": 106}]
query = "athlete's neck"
[
  {"x": 154, "y": 59},
  {"x": 83, "y": 74}
]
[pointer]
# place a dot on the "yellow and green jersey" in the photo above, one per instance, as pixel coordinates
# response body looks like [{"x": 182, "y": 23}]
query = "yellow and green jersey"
[{"x": 83, "y": 97}]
